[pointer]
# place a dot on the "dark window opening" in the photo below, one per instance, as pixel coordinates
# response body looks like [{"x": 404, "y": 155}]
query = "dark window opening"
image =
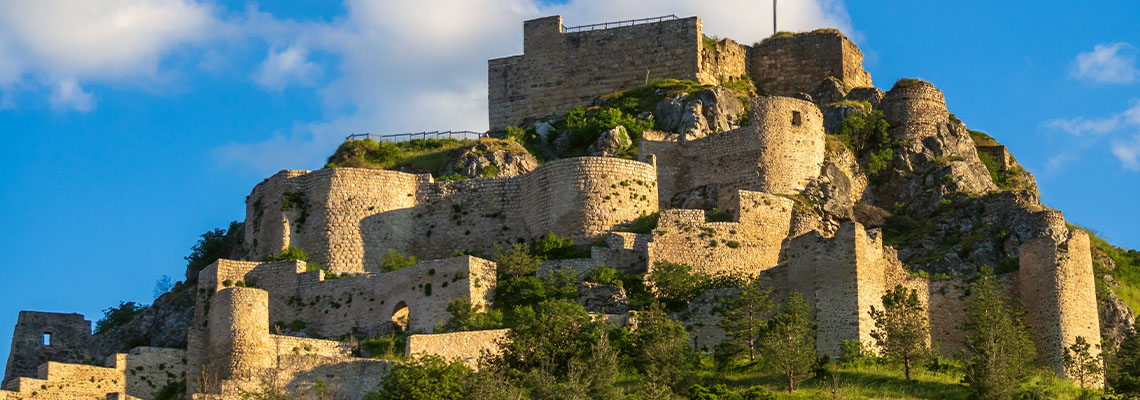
[
  {"x": 47, "y": 338},
  {"x": 796, "y": 119}
]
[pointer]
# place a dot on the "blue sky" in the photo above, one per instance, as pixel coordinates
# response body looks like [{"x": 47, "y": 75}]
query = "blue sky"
[{"x": 131, "y": 128}]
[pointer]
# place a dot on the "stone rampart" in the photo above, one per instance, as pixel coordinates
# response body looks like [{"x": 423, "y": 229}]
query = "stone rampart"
[
  {"x": 778, "y": 153},
  {"x": 798, "y": 63},
  {"x": 137, "y": 374},
  {"x": 559, "y": 70},
  {"x": 1059, "y": 293},
  {"x": 347, "y": 219},
  {"x": 40, "y": 337},
  {"x": 742, "y": 248},
  {"x": 364, "y": 303},
  {"x": 468, "y": 347}
]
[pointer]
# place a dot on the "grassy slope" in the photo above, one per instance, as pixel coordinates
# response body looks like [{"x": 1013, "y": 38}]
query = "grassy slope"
[
  {"x": 424, "y": 156},
  {"x": 1127, "y": 272}
]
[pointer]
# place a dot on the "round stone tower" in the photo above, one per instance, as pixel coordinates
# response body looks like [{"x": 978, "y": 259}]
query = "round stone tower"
[
  {"x": 790, "y": 132},
  {"x": 240, "y": 346},
  {"x": 915, "y": 102}
]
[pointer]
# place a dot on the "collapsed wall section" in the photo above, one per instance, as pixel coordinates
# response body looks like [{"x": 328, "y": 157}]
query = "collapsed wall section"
[
  {"x": 559, "y": 69},
  {"x": 788, "y": 64}
]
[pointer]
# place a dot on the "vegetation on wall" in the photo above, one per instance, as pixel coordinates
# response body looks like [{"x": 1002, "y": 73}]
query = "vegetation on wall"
[
  {"x": 865, "y": 134},
  {"x": 416, "y": 155}
]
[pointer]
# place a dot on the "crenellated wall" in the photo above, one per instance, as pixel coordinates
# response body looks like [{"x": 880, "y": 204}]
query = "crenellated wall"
[
  {"x": 778, "y": 153},
  {"x": 348, "y": 218}
]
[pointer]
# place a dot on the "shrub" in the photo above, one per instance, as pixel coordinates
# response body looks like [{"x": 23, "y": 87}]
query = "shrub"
[
  {"x": 214, "y": 244},
  {"x": 515, "y": 134},
  {"x": 554, "y": 247},
  {"x": 585, "y": 127},
  {"x": 465, "y": 316},
  {"x": 548, "y": 337},
  {"x": 394, "y": 261},
  {"x": 115, "y": 317},
  {"x": 643, "y": 224},
  {"x": 390, "y": 346},
  {"x": 425, "y": 378},
  {"x": 603, "y": 275},
  {"x": 291, "y": 253}
]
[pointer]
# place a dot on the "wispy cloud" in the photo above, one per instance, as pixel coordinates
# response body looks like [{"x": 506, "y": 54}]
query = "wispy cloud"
[
  {"x": 286, "y": 67},
  {"x": 1113, "y": 63},
  {"x": 409, "y": 66},
  {"x": 1103, "y": 128},
  {"x": 1128, "y": 152}
]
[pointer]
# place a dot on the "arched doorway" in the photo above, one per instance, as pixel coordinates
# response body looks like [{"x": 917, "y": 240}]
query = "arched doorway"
[{"x": 400, "y": 317}]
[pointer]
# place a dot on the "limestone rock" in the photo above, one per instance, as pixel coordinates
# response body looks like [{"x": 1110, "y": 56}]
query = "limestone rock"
[
  {"x": 163, "y": 324},
  {"x": 599, "y": 298},
  {"x": 870, "y": 95},
  {"x": 870, "y": 216},
  {"x": 702, "y": 197},
  {"x": 668, "y": 113},
  {"x": 693, "y": 122},
  {"x": 610, "y": 143},
  {"x": 492, "y": 159},
  {"x": 721, "y": 108},
  {"x": 1115, "y": 316},
  {"x": 830, "y": 90}
]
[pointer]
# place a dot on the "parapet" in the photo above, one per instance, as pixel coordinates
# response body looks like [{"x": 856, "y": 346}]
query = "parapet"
[{"x": 788, "y": 64}]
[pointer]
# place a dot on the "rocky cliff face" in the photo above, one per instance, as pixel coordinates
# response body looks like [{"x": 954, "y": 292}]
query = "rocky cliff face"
[
  {"x": 491, "y": 159},
  {"x": 163, "y": 324}
]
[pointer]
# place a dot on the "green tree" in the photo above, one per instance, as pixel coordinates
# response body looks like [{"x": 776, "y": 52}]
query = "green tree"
[
  {"x": 999, "y": 351},
  {"x": 394, "y": 261},
  {"x": 516, "y": 262},
  {"x": 1124, "y": 366},
  {"x": 788, "y": 343},
  {"x": 424, "y": 378},
  {"x": 598, "y": 373},
  {"x": 662, "y": 353},
  {"x": 744, "y": 318},
  {"x": 214, "y": 244},
  {"x": 465, "y": 316},
  {"x": 115, "y": 317},
  {"x": 675, "y": 285},
  {"x": 902, "y": 328},
  {"x": 548, "y": 336},
  {"x": 1083, "y": 362}
]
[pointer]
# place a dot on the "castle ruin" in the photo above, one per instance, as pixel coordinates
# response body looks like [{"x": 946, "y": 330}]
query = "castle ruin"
[{"x": 348, "y": 218}]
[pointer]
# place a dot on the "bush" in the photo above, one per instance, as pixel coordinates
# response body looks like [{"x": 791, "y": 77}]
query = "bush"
[
  {"x": 548, "y": 337},
  {"x": 554, "y": 247},
  {"x": 390, "y": 346},
  {"x": 394, "y": 261},
  {"x": 465, "y": 316},
  {"x": 585, "y": 127},
  {"x": 602, "y": 275},
  {"x": 425, "y": 378},
  {"x": 643, "y": 224},
  {"x": 115, "y": 317},
  {"x": 291, "y": 253},
  {"x": 214, "y": 244}
]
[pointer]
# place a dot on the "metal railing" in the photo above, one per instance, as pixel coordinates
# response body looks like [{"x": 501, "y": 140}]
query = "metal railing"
[
  {"x": 608, "y": 25},
  {"x": 396, "y": 137}
]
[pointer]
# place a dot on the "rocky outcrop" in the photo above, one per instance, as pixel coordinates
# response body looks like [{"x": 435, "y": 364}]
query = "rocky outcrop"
[
  {"x": 605, "y": 299},
  {"x": 1116, "y": 319},
  {"x": 703, "y": 197},
  {"x": 163, "y": 324},
  {"x": 711, "y": 111},
  {"x": 487, "y": 158},
  {"x": 610, "y": 143}
]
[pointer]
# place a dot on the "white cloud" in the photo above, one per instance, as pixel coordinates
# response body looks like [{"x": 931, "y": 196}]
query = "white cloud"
[
  {"x": 1107, "y": 63},
  {"x": 285, "y": 67},
  {"x": 68, "y": 94},
  {"x": 1128, "y": 152},
  {"x": 62, "y": 44},
  {"x": 412, "y": 66},
  {"x": 1098, "y": 126},
  {"x": 1059, "y": 160}
]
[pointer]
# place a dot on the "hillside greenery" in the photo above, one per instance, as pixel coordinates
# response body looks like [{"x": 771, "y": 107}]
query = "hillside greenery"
[{"x": 416, "y": 155}]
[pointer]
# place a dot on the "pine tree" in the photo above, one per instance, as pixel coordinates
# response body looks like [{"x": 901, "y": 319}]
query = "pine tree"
[
  {"x": 788, "y": 343},
  {"x": 744, "y": 318},
  {"x": 999, "y": 351},
  {"x": 1080, "y": 362},
  {"x": 1124, "y": 371},
  {"x": 902, "y": 328}
]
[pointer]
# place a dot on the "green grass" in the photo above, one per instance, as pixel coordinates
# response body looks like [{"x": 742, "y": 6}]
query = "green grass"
[
  {"x": 418, "y": 155},
  {"x": 1127, "y": 272},
  {"x": 864, "y": 382},
  {"x": 983, "y": 139}
]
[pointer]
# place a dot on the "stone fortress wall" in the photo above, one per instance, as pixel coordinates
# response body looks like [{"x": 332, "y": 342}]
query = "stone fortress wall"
[
  {"x": 778, "y": 153},
  {"x": 559, "y": 70},
  {"x": 136, "y": 374},
  {"x": 347, "y": 218}
]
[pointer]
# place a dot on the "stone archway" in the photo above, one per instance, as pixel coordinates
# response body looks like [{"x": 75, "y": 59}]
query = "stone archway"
[{"x": 400, "y": 315}]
